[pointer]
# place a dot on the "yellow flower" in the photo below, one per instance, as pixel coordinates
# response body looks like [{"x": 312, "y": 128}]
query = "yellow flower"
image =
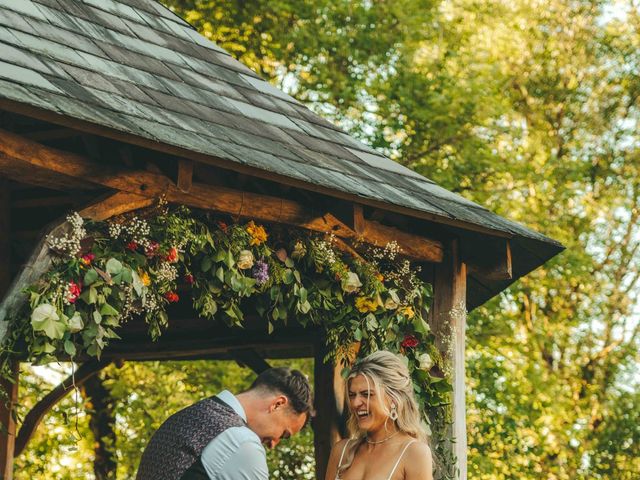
[
  {"x": 146, "y": 279},
  {"x": 408, "y": 312},
  {"x": 364, "y": 304},
  {"x": 257, "y": 232}
]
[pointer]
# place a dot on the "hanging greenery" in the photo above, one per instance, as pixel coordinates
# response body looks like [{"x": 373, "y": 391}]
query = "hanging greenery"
[{"x": 104, "y": 273}]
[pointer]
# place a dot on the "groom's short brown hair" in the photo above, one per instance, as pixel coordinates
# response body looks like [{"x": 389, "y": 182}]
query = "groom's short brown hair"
[{"x": 291, "y": 383}]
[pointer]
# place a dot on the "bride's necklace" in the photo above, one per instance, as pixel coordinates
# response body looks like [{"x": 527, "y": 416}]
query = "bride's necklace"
[{"x": 377, "y": 442}]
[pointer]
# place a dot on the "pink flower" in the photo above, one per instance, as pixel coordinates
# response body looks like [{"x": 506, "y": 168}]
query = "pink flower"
[
  {"x": 409, "y": 341},
  {"x": 73, "y": 291},
  {"x": 172, "y": 297},
  {"x": 172, "y": 256},
  {"x": 152, "y": 249},
  {"x": 87, "y": 259}
]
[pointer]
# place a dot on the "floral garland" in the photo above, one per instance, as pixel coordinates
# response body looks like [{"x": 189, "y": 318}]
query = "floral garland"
[{"x": 104, "y": 273}]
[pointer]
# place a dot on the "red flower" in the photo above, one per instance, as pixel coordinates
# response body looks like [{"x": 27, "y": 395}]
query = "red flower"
[
  {"x": 189, "y": 279},
  {"x": 172, "y": 297},
  {"x": 152, "y": 249},
  {"x": 87, "y": 258},
  {"x": 73, "y": 291},
  {"x": 409, "y": 341},
  {"x": 133, "y": 246},
  {"x": 172, "y": 256}
]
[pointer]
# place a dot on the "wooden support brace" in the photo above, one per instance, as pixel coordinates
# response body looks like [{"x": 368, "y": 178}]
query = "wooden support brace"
[
  {"x": 115, "y": 204},
  {"x": 37, "y": 413}
]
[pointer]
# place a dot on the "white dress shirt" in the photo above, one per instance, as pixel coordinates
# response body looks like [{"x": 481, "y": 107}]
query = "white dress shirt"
[{"x": 235, "y": 454}]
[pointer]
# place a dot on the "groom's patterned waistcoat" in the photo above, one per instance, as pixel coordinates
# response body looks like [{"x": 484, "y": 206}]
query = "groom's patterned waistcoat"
[{"x": 173, "y": 453}]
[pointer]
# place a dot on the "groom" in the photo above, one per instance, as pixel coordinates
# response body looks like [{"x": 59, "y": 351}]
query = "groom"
[{"x": 222, "y": 437}]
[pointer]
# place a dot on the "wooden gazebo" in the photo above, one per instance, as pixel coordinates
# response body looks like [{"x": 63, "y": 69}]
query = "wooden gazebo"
[{"x": 107, "y": 105}]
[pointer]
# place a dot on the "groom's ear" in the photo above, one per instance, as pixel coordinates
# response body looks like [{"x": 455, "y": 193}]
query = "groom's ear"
[{"x": 280, "y": 401}]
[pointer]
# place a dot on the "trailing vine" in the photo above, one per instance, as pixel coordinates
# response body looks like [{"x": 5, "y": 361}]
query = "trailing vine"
[{"x": 105, "y": 273}]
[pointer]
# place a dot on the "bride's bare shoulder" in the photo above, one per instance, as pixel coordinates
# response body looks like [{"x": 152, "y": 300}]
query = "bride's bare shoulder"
[{"x": 418, "y": 462}]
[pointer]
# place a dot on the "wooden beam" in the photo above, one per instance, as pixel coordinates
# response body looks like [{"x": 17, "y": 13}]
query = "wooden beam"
[
  {"x": 447, "y": 320},
  {"x": 40, "y": 409},
  {"x": 488, "y": 265},
  {"x": 8, "y": 419},
  {"x": 328, "y": 424},
  {"x": 52, "y": 134},
  {"x": 248, "y": 357},
  {"x": 413, "y": 246},
  {"x": 185, "y": 175},
  {"x": 222, "y": 199},
  {"x": 115, "y": 204}
]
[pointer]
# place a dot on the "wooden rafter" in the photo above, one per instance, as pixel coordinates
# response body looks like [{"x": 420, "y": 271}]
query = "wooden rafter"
[
  {"x": 40, "y": 409},
  {"x": 185, "y": 175},
  {"x": 21, "y": 151}
]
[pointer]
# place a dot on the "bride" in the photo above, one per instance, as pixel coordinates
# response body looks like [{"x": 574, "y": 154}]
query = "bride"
[{"x": 388, "y": 441}]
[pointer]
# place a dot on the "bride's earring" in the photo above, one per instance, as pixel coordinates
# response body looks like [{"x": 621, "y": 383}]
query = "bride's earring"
[{"x": 394, "y": 413}]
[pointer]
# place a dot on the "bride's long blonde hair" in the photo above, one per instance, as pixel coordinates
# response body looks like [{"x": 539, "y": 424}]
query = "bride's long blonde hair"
[{"x": 390, "y": 375}]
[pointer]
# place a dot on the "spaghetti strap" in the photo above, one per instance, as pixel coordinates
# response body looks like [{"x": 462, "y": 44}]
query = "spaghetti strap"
[
  {"x": 344, "y": 449},
  {"x": 399, "y": 458}
]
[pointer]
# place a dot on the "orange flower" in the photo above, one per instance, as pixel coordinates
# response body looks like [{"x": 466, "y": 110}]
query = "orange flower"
[
  {"x": 257, "y": 232},
  {"x": 380, "y": 277},
  {"x": 172, "y": 256}
]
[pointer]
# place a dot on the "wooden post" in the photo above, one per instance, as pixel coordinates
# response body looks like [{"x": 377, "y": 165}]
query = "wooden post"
[
  {"x": 448, "y": 322},
  {"x": 8, "y": 433},
  {"x": 328, "y": 424}
]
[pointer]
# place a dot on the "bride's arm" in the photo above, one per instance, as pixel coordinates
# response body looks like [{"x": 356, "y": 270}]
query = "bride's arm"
[
  {"x": 418, "y": 462},
  {"x": 332, "y": 466}
]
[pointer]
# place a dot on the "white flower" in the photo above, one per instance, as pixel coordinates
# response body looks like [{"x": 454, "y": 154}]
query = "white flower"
[
  {"x": 245, "y": 259},
  {"x": 75, "y": 323},
  {"x": 425, "y": 362},
  {"x": 390, "y": 304},
  {"x": 351, "y": 283}
]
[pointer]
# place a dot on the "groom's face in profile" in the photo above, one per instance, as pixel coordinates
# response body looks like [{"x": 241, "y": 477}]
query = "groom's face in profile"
[{"x": 279, "y": 422}]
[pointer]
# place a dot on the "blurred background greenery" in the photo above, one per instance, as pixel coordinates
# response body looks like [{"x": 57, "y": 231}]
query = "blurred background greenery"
[{"x": 527, "y": 107}]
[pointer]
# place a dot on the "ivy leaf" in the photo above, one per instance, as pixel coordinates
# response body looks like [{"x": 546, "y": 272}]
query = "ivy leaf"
[
  {"x": 107, "y": 309},
  {"x": 228, "y": 260},
  {"x": 289, "y": 263},
  {"x": 288, "y": 276},
  {"x": 270, "y": 327},
  {"x": 113, "y": 266},
  {"x": 45, "y": 319},
  {"x": 137, "y": 282},
  {"x": 357, "y": 334},
  {"x": 90, "y": 277},
  {"x": 70, "y": 348},
  {"x": 97, "y": 317},
  {"x": 220, "y": 273},
  {"x": 127, "y": 275},
  {"x": 205, "y": 266}
]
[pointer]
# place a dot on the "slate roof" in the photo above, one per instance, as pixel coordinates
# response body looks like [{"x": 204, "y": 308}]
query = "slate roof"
[{"x": 134, "y": 66}]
